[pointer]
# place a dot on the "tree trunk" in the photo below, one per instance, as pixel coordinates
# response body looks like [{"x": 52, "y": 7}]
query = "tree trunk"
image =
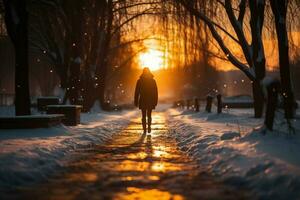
[
  {"x": 101, "y": 71},
  {"x": 101, "y": 91},
  {"x": 16, "y": 18},
  {"x": 279, "y": 8},
  {"x": 258, "y": 99},
  {"x": 96, "y": 27},
  {"x": 258, "y": 57},
  {"x": 101, "y": 74},
  {"x": 272, "y": 90},
  {"x": 88, "y": 96}
]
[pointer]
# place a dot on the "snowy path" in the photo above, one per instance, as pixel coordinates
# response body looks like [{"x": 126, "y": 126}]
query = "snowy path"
[
  {"x": 32, "y": 155},
  {"x": 133, "y": 166}
]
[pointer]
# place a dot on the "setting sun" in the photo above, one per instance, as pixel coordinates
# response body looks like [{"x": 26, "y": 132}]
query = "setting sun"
[{"x": 152, "y": 59}]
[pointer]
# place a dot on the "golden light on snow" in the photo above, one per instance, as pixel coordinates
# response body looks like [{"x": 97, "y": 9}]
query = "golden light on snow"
[
  {"x": 153, "y": 59},
  {"x": 147, "y": 194}
]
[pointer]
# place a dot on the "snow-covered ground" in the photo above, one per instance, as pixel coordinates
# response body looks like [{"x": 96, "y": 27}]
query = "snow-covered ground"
[
  {"x": 229, "y": 146},
  {"x": 28, "y": 156}
]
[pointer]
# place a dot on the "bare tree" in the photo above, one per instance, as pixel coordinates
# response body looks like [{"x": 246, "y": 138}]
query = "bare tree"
[
  {"x": 279, "y": 8},
  {"x": 16, "y": 19},
  {"x": 253, "y": 51},
  {"x": 80, "y": 48}
]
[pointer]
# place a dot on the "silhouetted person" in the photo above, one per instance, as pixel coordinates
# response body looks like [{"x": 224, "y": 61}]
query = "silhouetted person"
[{"x": 146, "y": 97}]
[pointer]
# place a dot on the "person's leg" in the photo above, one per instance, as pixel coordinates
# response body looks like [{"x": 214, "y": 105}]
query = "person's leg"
[
  {"x": 149, "y": 112},
  {"x": 144, "y": 119}
]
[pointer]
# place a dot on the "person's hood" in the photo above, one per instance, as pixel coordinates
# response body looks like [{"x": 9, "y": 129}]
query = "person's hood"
[{"x": 148, "y": 75}]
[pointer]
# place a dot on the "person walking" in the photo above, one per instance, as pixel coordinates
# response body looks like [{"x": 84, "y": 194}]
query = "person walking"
[{"x": 146, "y": 96}]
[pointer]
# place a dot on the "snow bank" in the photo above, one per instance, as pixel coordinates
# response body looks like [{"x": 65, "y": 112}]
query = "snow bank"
[
  {"x": 28, "y": 156},
  {"x": 229, "y": 147}
]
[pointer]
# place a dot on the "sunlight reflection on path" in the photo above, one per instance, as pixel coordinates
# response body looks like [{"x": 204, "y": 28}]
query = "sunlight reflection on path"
[
  {"x": 150, "y": 160},
  {"x": 147, "y": 194},
  {"x": 132, "y": 166}
]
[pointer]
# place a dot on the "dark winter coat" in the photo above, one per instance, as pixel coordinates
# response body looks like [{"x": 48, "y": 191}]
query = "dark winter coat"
[{"x": 146, "y": 94}]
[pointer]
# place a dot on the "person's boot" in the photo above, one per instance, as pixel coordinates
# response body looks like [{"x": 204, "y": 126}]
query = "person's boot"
[
  {"x": 144, "y": 125},
  {"x": 149, "y": 125}
]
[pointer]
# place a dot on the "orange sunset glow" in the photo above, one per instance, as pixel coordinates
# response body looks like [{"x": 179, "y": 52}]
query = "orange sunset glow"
[{"x": 153, "y": 59}]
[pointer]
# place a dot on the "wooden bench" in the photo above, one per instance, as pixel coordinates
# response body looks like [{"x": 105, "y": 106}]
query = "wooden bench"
[
  {"x": 30, "y": 121},
  {"x": 43, "y": 102},
  {"x": 71, "y": 112}
]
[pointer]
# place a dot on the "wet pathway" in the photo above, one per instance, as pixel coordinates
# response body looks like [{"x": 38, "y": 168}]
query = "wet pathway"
[{"x": 133, "y": 166}]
